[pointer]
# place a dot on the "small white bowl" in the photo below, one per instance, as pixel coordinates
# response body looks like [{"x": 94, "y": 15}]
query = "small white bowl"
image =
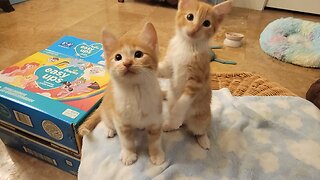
[
  {"x": 232, "y": 43},
  {"x": 233, "y": 39},
  {"x": 234, "y": 36}
]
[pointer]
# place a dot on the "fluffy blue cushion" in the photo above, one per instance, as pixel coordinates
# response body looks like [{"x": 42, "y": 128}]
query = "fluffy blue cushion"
[{"x": 293, "y": 40}]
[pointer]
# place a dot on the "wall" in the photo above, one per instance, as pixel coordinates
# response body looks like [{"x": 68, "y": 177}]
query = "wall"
[{"x": 251, "y": 4}]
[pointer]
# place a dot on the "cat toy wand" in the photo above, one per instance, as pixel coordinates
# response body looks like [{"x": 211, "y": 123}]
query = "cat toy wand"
[{"x": 214, "y": 57}]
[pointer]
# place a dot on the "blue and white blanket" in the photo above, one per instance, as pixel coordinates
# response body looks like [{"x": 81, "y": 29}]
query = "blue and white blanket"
[{"x": 251, "y": 138}]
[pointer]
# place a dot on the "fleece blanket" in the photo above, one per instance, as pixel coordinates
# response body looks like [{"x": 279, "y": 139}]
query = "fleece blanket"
[{"x": 251, "y": 138}]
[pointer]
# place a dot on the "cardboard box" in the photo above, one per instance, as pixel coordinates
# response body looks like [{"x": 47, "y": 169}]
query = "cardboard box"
[
  {"x": 48, "y": 95},
  {"x": 39, "y": 149}
]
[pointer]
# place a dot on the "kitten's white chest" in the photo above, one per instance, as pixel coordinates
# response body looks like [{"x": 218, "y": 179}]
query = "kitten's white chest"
[
  {"x": 138, "y": 105},
  {"x": 181, "y": 54}
]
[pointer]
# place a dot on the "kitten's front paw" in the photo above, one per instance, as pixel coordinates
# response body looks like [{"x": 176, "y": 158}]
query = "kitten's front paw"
[
  {"x": 110, "y": 133},
  {"x": 128, "y": 157},
  {"x": 167, "y": 126},
  {"x": 204, "y": 141},
  {"x": 158, "y": 159}
]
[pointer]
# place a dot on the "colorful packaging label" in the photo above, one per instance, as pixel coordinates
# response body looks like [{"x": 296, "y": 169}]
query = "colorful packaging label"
[
  {"x": 67, "y": 71},
  {"x": 79, "y": 49}
]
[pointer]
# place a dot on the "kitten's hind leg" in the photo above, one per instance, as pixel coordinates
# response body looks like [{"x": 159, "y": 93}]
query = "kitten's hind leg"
[
  {"x": 203, "y": 141},
  {"x": 156, "y": 153},
  {"x": 198, "y": 124},
  {"x": 110, "y": 133},
  {"x": 90, "y": 123},
  {"x": 110, "y": 130}
]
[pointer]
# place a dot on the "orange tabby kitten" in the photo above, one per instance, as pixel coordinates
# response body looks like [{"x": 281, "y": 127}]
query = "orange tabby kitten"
[
  {"x": 187, "y": 63},
  {"x": 133, "y": 99}
]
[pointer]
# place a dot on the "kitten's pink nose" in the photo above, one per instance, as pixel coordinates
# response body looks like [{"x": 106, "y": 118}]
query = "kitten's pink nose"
[
  {"x": 127, "y": 64},
  {"x": 193, "y": 31}
]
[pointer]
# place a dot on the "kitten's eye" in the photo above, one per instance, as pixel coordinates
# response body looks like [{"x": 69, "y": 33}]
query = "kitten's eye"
[
  {"x": 190, "y": 17},
  {"x": 206, "y": 23},
  {"x": 118, "y": 57},
  {"x": 138, "y": 54}
]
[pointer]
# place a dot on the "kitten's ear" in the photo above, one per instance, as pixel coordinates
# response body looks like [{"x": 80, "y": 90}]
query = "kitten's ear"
[
  {"x": 187, "y": 4},
  {"x": 109, "y": 42},
  {"x": 220, "y": 10},
  {"x": 149, "y": 35}
]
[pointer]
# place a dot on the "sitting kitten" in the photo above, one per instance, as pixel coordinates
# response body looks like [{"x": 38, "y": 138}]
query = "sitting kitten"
[
  {"x": 133, "y": 99},
  {"x": 187, "y": 64}
]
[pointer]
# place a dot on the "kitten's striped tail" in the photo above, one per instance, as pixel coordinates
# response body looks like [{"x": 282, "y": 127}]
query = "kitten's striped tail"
[{"x": 90, "y": 123}]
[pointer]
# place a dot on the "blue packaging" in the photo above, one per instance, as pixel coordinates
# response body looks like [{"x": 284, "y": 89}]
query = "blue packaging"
[
  {"x": 32, "y": 146},
  {"x": 50, "y": 93}
]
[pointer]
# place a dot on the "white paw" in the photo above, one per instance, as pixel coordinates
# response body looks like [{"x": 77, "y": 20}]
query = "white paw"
[
  {"x": 128, "y": 157},
  {"x": 204, "y": 141},
  {"x": 83, "y": 130},
  {"x": 110, "y": 133},
  {"x": 158, "y": 159}
]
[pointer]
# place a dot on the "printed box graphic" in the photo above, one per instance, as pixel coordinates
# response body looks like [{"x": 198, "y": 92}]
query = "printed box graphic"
[{"x": 50, "y": 93}]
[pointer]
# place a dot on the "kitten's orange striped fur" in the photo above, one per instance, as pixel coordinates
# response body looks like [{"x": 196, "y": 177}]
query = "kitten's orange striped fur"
[
  {"x": 133, "y": 99},
  {"x": 187, "y": 64}
]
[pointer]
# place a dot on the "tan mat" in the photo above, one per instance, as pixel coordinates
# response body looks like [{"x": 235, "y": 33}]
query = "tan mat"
[{"x": 248, "y": 84}]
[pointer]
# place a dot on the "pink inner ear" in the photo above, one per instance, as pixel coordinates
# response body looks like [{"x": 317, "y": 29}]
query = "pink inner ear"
[
  {"x": 149, "y": 35},
  {"x": 109, "y": 41},
  {"x": 221, "y": 10},
  {"x": 186, "y": 4}
]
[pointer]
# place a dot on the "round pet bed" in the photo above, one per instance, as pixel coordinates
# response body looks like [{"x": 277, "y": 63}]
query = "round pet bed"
[{"x": 293, "y": 40}]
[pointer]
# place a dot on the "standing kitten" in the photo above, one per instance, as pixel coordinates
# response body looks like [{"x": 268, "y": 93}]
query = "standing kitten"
[
  {"x": 187, "y": 63},
  {"x": 133, "y": 100}
]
